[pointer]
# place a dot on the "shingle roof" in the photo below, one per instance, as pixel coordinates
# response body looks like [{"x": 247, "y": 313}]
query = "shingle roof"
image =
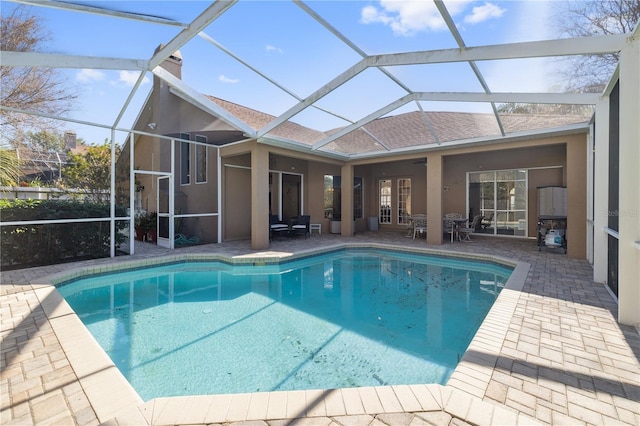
[
  {"x": 405, "y": 130},
  {"x": 256, "y": 120}
]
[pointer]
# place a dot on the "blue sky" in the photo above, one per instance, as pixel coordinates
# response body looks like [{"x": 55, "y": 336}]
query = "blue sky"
[{"x": 285, "y": 43}]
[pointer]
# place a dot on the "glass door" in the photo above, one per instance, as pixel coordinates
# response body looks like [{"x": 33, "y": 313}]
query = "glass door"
[
  {"x": 165, "y": 234},
  {"x": 384, "y": 201},
  {"x": 501, "y": 198}
]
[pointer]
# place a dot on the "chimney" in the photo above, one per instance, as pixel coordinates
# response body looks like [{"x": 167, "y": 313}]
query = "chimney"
[
  {"x": 173, "y": 63},
  {"x": 70, "y": 140}
]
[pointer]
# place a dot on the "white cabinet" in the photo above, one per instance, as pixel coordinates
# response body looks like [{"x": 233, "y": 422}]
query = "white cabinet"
[{"x": 552, "y": 201}]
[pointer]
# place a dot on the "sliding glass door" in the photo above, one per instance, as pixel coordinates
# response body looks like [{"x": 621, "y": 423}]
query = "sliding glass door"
[{"x": 501, "y": 198}]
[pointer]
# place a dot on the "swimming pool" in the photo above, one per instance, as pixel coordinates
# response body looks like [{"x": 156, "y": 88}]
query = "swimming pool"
[{"x": 342, "y": 319}]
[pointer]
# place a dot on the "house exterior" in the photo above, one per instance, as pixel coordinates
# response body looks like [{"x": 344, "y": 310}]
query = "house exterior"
[
  {"x": 46, "y": 166},
  {"x": 441, "y": 176}
]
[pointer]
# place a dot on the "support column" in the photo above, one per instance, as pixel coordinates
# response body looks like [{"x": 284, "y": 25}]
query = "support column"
[
  {"x": 601, "y": 191},
  {"x": 576, "y": 199},
  {"x": 434, "y": 199},
  {"x": 259, "y": 197},
  {"x": 346, "y": 200},
  {"x": 629, "y": 205}
]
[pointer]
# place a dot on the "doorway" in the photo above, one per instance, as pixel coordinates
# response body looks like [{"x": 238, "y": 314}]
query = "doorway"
[
  {"x": 285, "y": 195},
  {"x": 163, "y": 229}
]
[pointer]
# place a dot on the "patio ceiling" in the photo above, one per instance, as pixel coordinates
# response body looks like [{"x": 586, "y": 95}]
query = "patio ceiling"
[{"x": 313, "y": 86}]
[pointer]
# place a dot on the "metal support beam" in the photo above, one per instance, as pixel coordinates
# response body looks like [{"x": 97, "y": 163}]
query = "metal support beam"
[
  {"x": 210, "y": 14},
  {"x": 533, "y": 98},
  {"x": 595, "y": 45},
  {"x": 57, "y": 60},
  {"x": 382, "y": 111},
  {"x": 318, "y": 94},
  {"x": 73, "y": 7},
  {"x": 461, "y": 44}
]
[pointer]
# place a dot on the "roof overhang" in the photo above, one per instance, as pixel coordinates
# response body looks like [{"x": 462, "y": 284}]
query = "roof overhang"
[{"x": 420, "y": 150}]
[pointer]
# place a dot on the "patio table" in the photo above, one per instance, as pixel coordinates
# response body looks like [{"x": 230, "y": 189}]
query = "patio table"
[{"x": 455, "y": 223}]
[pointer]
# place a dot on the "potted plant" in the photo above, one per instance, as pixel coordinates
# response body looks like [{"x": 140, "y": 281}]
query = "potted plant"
[
  {"x": 152, "y": 221},
  {"x": 141, "y": 223}
]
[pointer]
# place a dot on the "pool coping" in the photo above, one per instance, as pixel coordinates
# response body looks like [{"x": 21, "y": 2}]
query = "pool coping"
[{"x": 114, "y": 399}]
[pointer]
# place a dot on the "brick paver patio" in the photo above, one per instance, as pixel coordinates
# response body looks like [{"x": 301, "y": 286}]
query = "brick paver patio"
[{"x": 551, "y": 354}]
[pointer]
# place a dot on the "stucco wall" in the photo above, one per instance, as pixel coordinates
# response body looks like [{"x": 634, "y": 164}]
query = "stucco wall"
[{"x": 236, "y": 203}]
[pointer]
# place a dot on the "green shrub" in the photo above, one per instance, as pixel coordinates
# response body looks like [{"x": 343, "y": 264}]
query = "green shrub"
[{"x": 24, "y": 246}]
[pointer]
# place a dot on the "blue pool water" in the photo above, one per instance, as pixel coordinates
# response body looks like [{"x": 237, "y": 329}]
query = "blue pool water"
[{"x": 344, "y": 319}]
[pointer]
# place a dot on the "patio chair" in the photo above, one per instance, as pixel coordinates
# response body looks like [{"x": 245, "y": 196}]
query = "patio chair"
[
  {"x": 451, "y": 225},
  {"x": 419, "y": 224},
  {"x": 302, "y": 226},
  {"x": 276, "y": 227},
  {"x": 464, "y": 233},
  {"x": 486, "y": 222}
]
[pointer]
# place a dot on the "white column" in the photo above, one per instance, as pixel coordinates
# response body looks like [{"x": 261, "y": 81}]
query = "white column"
[
  {"x": 601, "y": 191},
  {"x": 629, "y": 207}
]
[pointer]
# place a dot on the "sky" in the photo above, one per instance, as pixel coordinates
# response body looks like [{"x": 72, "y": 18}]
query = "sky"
[{"x": 280, "y": 40}]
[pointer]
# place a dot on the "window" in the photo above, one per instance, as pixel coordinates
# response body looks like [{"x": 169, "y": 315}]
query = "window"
[
  {"x": 201, "y": 160},
  {"x": 404, "y": 201},
  {"x": 384, "y": 186},
  {"x": 333, "y": 197},
  {"x": 501, "y": 197},
  {"x": 185, "y": 160}
]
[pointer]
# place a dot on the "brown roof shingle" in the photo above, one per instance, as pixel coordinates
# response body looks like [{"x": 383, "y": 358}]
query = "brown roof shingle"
[{"x": 404, "y": 130}]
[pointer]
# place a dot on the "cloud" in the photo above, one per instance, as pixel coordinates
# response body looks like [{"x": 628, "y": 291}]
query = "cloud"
[
  {"x": 484, "y": 13},
  {"x": 129, "y": 78},
  {"x": 407, "y": 17},
  {"x": 271, "y": 48},
  {"x": 87, "y": 75},
  {"x": 223, "y": 78}
]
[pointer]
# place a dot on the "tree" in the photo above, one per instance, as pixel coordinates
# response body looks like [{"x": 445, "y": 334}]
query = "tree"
[
  {"x": 554, "y": 109},
  {"x": 588, "y": 18},
  {"x": 36, "y": 89},
  {"x": 587, "y": 73},
  {"x": 91, "y": 172},
  {"x": 41, "y": 141},
  {"x": 10, "y": 172}
]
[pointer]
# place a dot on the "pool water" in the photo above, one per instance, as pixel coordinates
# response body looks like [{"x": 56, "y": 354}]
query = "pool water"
[{"x": 344, "y": 319}]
